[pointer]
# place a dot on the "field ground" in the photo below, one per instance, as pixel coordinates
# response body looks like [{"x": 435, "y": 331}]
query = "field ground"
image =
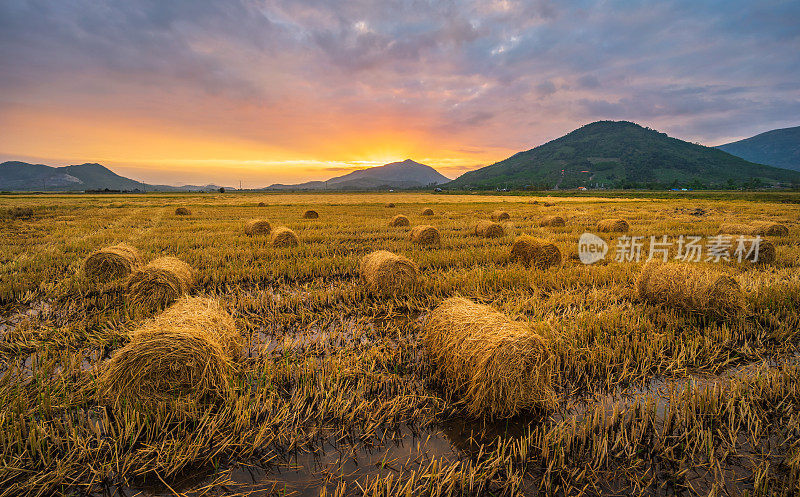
[{"x": 335, "y": 395}]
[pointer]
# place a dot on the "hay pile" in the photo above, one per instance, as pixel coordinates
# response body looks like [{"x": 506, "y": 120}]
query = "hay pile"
[
  {"x": 766, "y": 253},
  {"x": 309, "y": 214},
  {"x": 552, "y": 221},
  {"x": 499, "y": 365},
  {"x": 690, "y": 288},
  {"x": 500, "y": 216},
  {"x": 425, "y": 235},
  {"x": 399, "y": 220},
  {"x": 184, "y": 355},
  {"x": 489, "y": 229},
  {"x": 111, "y": 263},
  {"x": 182, "y": 211},
  {"x": 257, "y": 227},
  {"x": 534, "y": 252},
  {"x": 388, "y": 273},
  {"x": 612, "y": 225},
  {"x": 390, "y": 205},
  {"x": 756, "y": 228},
  {"x": 262, "y": 204},
  {"x": 160, "y": 283},
  {"x": 427, "y": 212},
  {"x": 284, "y": 237}
]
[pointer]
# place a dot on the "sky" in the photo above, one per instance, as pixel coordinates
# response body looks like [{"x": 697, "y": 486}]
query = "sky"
[{"x": 268, "y": 91}]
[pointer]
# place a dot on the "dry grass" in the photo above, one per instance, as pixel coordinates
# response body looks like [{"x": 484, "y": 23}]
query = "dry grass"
[
  {"x": 488, "y": 229},
  {"x": 257, "y": 227},
  {"x": 500, "y": 366},
  {"x": 399, "y": 220},
  {"x": 284, "y": 237},
  {"x": 425, "y": 235},
  {"x": 534, "y": 252},
  {"x": 310, "y": 214},
  {"x": 766, "y": 253},
  {"x": 160, "y": 283},
  {"x": 756, "y": 228},
  {"x": 691, "y": 288},
  {"x": 388, "y": 273},
  {"x": 427, "y": 212},
  {"x": 182, "y": 211},
  {"x": 111, "y": 263},
  {"x": 615, "y": 225},
  {"x": 500, "y": 216},
  {"x": 555, "y": 221},
  {"x": 184, "y": 355}
]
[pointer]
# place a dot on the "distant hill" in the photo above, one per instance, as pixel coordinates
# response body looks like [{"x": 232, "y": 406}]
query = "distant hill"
[
  {"x": 22, "y": 176},
  {"x": 779, "y": 148},
  {"x": 622, "y": 154},
  {"x": 405, "y": 174}
]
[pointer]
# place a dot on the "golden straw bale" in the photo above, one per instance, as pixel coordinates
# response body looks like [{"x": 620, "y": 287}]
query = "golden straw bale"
[
  {"x": 390, "y": 205},
  {"x": 183, "y": 356},
  {"x": 385, "y": 272},
  {"x": 552, "y": 221},
  {"x": 500, "y": 366},
  {"x": 182, "y": 211},
  {"x": 159, "y": 283},
  {"x": 425, "y": 235},
  {"x": 769, "y": 228},
  {"x": 612, "y": 225},
  {"x": 257, "y": 227},
  {"x": 765, "y": 255},
  {"x": 262, "y": 204},
  {"x": 489, "y": 229},
  {"x": 500, "y": 216},
  {"x": 427, "y": 212},
  {"x": 690, "y": 288},
  {"x": 309, "y": 214},
  {"x": 399, "y": 220},
  {"x": 284, "y": 237},
  {"x": 535, "y": 252},
  {"x": 111, "y": 263}
]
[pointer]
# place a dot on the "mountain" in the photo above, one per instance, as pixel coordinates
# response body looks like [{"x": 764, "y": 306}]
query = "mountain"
[
  {"x": 779, "y": 148},
  {"x": 405, "y": 174},
  {"x": 22, "y": 176},
  {"x": 622, "y": 154}
]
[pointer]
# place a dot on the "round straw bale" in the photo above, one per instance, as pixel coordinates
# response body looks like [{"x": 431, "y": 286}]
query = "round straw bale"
[
  {"x": 427, "y": 212},
  {"x": 399, "y": 220},
  {"x": 425, "y": 235},
  {"x": 612, "y": 225},
  {"x": 552, "y": 221},
  {"x": 764, "y": 255},
  {"x": 309, "y": 214},
  {"x": 500, "y": 216},
  {"x": 489, "y": 229},
  {"x": 182, "y": 211},
  {"x": 262, "y": 204},
  {"x": 500, "y": 366},
  {"x": 390, "y": 205},
  {"x": 284, "y": 237},
  {"x": 111, "y": 263},
  {"x": 159, "y": 283},
  {"x": 769, "y": 228},
  {"x": 535, "y": 252},
  {"x": 257, "y": 227},
  {"x": 184, "y": 355},
  {"x": 690, "y": 288},
  {"x": 385, "y": 272}
]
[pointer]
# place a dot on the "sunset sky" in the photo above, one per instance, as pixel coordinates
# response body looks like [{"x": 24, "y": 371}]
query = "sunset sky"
[{"x": 200, "y": 91}]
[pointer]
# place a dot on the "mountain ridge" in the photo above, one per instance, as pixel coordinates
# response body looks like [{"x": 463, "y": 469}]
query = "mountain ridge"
[
  {"x": 401, "y": 174},
  {"x": 777, "y": 148},
  {"x": 622, "y": 154}
]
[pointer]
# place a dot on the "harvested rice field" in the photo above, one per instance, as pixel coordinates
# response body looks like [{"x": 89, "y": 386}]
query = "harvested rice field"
[{"x": 213, "y": 354}]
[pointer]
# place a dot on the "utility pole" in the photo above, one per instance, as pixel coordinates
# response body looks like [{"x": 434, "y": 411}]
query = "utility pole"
[{"x": 240, "y": 185}]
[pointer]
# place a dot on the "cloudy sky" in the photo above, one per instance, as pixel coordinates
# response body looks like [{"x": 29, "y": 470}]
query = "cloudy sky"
[{"x": 264, "y": 91}]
